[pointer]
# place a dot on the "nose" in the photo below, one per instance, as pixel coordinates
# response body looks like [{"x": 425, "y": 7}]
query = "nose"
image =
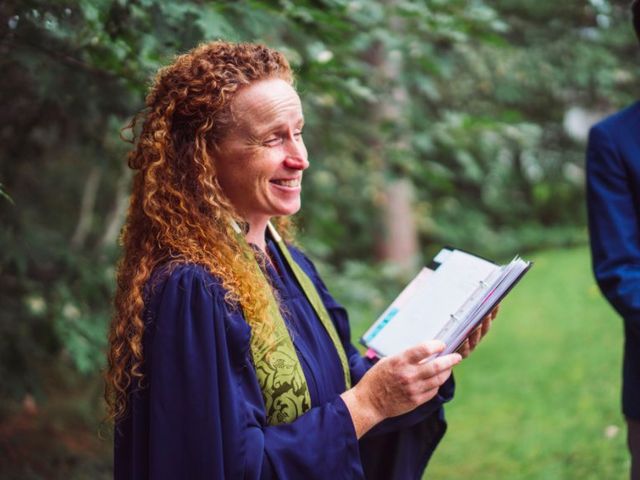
[{"x": 296, "y": 155}]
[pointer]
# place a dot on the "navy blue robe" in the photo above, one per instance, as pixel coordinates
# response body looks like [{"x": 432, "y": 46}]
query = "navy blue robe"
[{"x": 200, "y": 415}]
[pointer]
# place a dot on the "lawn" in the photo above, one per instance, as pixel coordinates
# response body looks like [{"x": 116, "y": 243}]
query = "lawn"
[{"x": 539, "y": 398}]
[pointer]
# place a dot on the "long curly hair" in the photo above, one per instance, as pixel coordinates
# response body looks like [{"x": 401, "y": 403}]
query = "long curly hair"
[{"x": 178, "y": 212}]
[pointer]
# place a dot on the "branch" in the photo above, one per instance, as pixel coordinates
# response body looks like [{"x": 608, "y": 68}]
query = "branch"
[{"x": 69, "y": 60}]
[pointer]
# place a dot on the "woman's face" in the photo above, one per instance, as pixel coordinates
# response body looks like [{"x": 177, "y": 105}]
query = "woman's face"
[{"x": 260, "y": 161}]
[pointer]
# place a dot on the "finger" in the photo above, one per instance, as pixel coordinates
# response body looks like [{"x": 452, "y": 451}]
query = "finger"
[
  {"x": 436, "y": 366},
  {"x": 427, "y": 395},
  {"x": 494, "y": 312},
  {"x": 474, "y": 338},
  {"x": 423, "y": 351},
  {"x": 486, "y": 325},
  {"x": 464, "y": 349},
  {"x": 436, "y": 381}
]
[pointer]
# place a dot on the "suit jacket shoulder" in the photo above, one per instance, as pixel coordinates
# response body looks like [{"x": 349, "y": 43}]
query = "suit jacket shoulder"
[{"x": 622, "y": 126}]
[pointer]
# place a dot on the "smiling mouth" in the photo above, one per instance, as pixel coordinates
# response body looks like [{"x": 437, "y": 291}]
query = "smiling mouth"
[{"x": 295, "y": 182}]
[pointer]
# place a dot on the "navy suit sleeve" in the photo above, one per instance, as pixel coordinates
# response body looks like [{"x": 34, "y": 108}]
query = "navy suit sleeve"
[
  {"x": 613, "y": 225},
  {"x": 202, "y": 421}
]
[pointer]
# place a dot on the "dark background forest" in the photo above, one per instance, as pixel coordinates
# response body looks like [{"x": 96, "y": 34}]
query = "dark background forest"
[{"x": 428, "y": 123}]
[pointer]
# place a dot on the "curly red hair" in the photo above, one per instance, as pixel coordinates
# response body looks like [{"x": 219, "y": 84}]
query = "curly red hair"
[{"x": 178, "y": 213}]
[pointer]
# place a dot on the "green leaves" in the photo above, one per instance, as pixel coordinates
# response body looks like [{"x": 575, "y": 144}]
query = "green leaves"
[{"x": 464, "y": 99}]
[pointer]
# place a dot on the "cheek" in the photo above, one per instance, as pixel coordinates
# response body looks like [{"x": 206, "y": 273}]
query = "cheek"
[
  {"x": 243, "y": 177},
  {"x": 255, "y": 173},
  {"x": 260, "y": 168},
  {"x": 245, "y": 172},
  {"x": 231, "y": 176}
]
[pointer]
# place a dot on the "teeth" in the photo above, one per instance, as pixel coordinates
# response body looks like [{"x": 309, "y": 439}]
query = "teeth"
[{"x": 288, "y": 183}]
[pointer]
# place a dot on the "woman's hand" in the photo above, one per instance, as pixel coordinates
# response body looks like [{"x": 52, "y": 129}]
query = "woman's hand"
[
  {"x": 478, "y": 334},
  {"x": 398, "y": 384}
]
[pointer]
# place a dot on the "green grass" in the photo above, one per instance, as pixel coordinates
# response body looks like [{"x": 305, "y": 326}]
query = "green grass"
[
  {"x": 534, "y": 400},
  {"x": 536, "y": 397}
]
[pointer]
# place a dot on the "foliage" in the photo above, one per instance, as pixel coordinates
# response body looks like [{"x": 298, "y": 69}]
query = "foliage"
[{"x": 464, "y": 98}]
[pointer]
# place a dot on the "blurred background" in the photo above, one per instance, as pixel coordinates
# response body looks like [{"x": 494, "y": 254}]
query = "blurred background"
[{"x": 428, "y": 123}]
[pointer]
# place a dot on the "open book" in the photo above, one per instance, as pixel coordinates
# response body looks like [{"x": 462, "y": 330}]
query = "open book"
[{"x": 445, "y": 303}]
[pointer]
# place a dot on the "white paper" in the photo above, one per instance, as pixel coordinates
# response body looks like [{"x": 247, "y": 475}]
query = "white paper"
[{"x": 423, "y": 312}]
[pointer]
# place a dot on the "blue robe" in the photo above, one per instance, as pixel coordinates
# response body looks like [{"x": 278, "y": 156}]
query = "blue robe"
[{"x": 200, "y": 413}]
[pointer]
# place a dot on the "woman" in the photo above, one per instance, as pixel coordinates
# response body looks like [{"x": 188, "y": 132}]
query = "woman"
[{"x": 228, "y": 357}]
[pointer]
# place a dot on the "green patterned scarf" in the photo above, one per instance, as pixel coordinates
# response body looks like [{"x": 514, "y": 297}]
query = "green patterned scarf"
[{"x": 280, "y": 375}]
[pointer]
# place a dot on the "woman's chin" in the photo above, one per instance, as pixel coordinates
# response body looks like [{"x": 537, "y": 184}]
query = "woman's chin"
[
  {"x": 286, "y": 208},
  {"x": 282, "y": 202}
]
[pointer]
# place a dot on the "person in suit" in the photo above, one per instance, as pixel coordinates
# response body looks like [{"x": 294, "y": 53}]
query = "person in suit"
[{"x": 613, "y": 201}]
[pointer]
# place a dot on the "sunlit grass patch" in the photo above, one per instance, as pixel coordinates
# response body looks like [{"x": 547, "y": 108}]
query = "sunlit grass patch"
[{"x": 539, "y": 399}]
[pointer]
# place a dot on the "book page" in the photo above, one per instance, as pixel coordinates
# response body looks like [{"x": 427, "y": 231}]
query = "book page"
[
  {"x": 423, "y": 314},
  {"x": 477, "y": 307}
]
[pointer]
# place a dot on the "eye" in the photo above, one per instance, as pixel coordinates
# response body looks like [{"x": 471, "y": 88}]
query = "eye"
[
  {"x": 298, "y": 134},
  {"x": 273, "y": 141}
]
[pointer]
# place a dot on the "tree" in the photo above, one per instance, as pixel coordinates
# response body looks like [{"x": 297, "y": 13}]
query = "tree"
[{"x": 459, "y": 102}]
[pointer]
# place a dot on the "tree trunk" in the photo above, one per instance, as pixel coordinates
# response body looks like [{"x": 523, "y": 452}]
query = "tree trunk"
[
  {"x": 87, "y": 203},
  {"x": 118, "y": 212},
  {"x": 399, "y": 242}
]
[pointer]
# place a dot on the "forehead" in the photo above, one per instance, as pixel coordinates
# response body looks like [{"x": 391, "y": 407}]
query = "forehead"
[{"x": 266, "y": 102}]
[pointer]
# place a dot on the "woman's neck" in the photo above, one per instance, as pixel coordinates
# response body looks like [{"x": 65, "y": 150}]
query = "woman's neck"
[{"x": 256, "y": 234}]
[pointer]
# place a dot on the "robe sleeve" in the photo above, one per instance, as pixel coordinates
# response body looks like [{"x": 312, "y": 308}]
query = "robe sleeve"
[{"x": 202, "y": 420}]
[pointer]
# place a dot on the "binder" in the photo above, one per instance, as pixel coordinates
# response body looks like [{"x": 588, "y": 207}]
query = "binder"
[{"x": 445, "y": 301}]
